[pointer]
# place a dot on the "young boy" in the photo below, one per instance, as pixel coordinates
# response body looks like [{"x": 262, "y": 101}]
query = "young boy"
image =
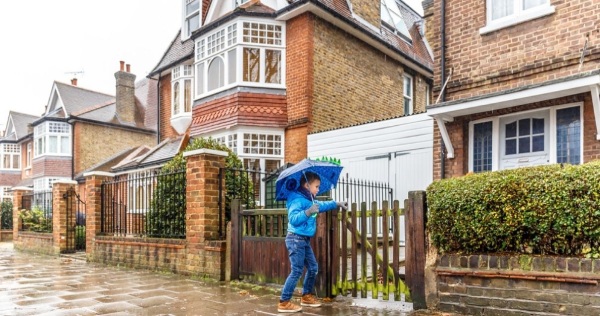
[{"x": 302, "y": 225}]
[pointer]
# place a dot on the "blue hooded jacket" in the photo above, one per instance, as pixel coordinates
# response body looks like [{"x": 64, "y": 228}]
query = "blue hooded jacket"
[{"x": 298, "y": 222}]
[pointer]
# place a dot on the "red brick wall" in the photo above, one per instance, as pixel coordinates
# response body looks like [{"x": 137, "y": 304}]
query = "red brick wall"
[
  {"x": 164, "y": 117},
  {"x": 300, "y": 70},
  {"x": 241, "y": 108},
  {"x": 9, "y": 178},
  {"x": 35, "y": 242},
  {"x": 296, "y": 143},
  {"x": 26, "y": 173},
  {"x": 52, "y": 166}
]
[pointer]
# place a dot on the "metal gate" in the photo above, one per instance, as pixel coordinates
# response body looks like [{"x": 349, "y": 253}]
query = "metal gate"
[{"x": 75, "y": 213}]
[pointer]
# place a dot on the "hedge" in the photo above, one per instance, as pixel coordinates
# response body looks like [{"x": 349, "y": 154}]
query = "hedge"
[{"x": 551, "y": 209}]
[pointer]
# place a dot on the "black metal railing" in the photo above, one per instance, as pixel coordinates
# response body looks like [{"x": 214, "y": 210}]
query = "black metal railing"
[
  {"x": 6, "y": 214},
  {"x": 358, "y": 191},
  {"x": 37, "y": 211},
  {"x": 145, "y": 204}
]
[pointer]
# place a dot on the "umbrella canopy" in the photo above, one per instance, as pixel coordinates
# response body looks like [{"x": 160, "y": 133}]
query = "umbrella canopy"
[{"x": 289, "y": 179}]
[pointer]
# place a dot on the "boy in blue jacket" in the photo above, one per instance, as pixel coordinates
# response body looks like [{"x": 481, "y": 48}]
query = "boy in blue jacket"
[{"x": 302, "y": 225}]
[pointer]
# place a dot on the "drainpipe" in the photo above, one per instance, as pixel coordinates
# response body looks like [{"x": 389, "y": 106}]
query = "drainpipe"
[
  {"x": 158, "y": 111},
  {"x": 72, "y": 149},
  {"x": 443, "y": 78}
]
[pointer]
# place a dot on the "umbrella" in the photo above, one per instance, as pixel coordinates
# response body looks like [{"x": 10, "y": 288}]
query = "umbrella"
[{"x": 289, "y": 179}]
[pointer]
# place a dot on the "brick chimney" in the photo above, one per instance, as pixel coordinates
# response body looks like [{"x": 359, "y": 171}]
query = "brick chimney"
[
  {"x": 125, "y": 94},
  {"x": 368, "y": 10},
  {"x": 74, "y": 82}
]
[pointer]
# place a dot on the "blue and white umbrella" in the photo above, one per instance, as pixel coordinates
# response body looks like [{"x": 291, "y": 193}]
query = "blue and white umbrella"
[{"x": 289, "y": 179}]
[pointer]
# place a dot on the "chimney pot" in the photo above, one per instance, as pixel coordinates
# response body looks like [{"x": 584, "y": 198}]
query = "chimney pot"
[
  {"x": 128, "y": 67},
  {"x": 74, "y": 82},
  {"x": 122, "y": 65}
]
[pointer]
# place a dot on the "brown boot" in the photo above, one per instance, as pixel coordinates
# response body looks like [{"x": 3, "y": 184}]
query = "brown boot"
[
  {"x": 309, "y": 300},
  {"x": 288, "y": 307}
]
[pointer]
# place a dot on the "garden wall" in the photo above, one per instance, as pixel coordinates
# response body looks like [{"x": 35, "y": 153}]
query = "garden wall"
[
  {"x": 35, "y": 242},
  {"x": 518, "y": 285},
  {"x": 6, "y": 235}
]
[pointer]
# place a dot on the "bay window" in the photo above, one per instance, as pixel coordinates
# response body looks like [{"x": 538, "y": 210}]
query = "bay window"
[
  {"x": 551, "y": 135},
  {"x": 249, "y": 53},
  {"x": 181, "y": 87},
  {"x": 10, "y": 156},
  {"x": 52, "y": 138}
]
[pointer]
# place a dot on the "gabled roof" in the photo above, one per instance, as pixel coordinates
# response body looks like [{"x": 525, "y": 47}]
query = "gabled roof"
[
  {"x": 152, "y": 157},
  {"x": 177, "y": 52},
  {"x": 18, "y": 125},
  {"x": 76, "y": 99},
  {"x": 106, "y": 164}
]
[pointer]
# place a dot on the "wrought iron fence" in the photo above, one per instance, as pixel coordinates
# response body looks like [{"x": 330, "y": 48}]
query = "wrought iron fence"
[
  {"x": 37, "y": 214},
  {"x": 150, "y": 203}
]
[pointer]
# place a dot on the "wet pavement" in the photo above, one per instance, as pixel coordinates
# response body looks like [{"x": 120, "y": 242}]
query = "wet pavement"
[{"x": 43, "y": 285}]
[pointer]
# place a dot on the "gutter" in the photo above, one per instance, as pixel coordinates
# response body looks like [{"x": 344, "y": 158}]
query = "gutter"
[{"x": 340, "y": 21}]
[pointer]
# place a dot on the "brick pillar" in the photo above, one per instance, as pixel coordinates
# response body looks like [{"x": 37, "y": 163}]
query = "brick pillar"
[
  {"x": 60, "y": 222},
  {"x": 93, "y": 208},
  {"x": 18, "y": 193}
]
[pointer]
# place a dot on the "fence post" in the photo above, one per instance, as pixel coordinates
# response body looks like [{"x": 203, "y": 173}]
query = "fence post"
[
  {"x": 18, "y": 193},
  {"x": 60, "y": 221},
  {"x": 236, "y": 236},
  {"x": 205, "y": 250},
  {"x": 93, "y": 208},
  {"x": 415, "y": 247}
]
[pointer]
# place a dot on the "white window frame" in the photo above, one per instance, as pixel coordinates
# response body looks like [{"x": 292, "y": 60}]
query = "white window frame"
[
  {"x": 29, "y": 156},
  {"x": 45, "y": 183},
  {"x": 236, "y": 45},
  {"x": 519, "y": 16},
  {"x": 427, "y": 95},
  {"x": 185, "y": 32},
  {"x": 496, "y": 133},
  {"x": 11, "y": 154},
  {"x": 42, "y": 135},
  {"x": 145, "y": 180},
  {"x": 411, "y": 107},
  {"x": 179, "y": 75},
  {"x": 5, "y": 194}
]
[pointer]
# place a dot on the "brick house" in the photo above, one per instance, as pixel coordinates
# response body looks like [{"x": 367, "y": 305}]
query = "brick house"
[
  {"x": 16, "y": 152},
  {"x": 522, "y": 85},
  {"x": 261, "y": 76},
  {"x": 80, "y": 127}
]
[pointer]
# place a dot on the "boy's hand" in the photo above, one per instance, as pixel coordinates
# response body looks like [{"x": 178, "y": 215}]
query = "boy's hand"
[
  {"x": 312, "y": 210},
  {"x": 343, "y": 205}
]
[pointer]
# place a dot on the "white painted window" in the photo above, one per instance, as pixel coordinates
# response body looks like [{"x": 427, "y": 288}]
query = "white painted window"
[
  {"x": 538, "y": 137},
  {"x": 249, "y": 53},
  {"x": 427, "y": 95},
  {"x": 391, "y": 16},
  {"x": 139, "y": 191},
  {"x": 52, "y": 138},
  {"x": 191, "y": 17},
  {"x": 10, "y": 156},
  {"x": 5, "y": 193},
  {"x": 181, "y": 90},
  {"x": 504, "y": 13},
  {"x": 262, "y": 144},
  {"x": 45, "y": 183},
  {"x": 408, "y": 95},
  {"x": 29, "y": 154}
]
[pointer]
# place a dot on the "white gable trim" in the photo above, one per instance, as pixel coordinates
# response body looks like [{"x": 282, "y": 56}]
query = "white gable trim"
[{"x": 54, "y": 92}]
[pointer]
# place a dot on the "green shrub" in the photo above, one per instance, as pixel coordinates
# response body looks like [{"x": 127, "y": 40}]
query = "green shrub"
[
  {"x": 165, "y": 218},
  {"x": 80, "y": 237},
  {"x": 542, "y": 210},
  {"x": 35, "y": 220},
  {"x": 6, "y": 215}
]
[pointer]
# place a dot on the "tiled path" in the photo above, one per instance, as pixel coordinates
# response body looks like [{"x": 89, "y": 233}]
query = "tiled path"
[{"x": 43, "y": 285}]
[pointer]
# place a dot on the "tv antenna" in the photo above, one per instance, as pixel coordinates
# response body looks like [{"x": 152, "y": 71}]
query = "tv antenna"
[{"x": 74, "y": 73}]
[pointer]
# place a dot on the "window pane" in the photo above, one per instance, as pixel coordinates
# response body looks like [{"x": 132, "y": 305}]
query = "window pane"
[
  {"x": 502, "y": 8},
  {"x": 482, "y": 147},
  {"x": 232, "y": 64},
  {"x": 524, "y": 127},
  {"x": 511, "y": 130},
  {"x": 176, "y": 98},
  {"x": 187, "y": 97},
  {"x": 193, "y": 23},
  {"x": 251, "y": 64},
  {"x": 511, "y": 147},
  {"x": 532, "y": 3},
  {"x": 216, "y": 74},
  {"x": 273, "y": 66},
  {"x": 65, "y": 145},
  {"x": 407, "y": 86},
  {"x": 407, "y": 106},
  {"x": 538, "y": 126},
  {"x": 16, "y": 161},
  {"x": 6, "y": 161},
  {"x": 568, "y": 136},
  {"x": 192, "y": 6},
  {"x": 537, "y": 143},
  {"x": 200, "y": 78},
  {"x": 524, "y": 145},
  {"x": 53, "y": 144}
]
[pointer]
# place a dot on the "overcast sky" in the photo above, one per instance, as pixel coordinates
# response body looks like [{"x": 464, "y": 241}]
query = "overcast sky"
[{"x": 42, "y": 41}]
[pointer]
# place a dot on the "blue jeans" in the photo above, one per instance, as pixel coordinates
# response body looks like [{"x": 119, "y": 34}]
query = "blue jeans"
[{"x": 301, "y": 255}]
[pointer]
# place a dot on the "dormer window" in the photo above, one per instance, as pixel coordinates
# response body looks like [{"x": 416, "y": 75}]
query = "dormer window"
[
  {"x": 392, "y": 18},
  {"x": 191, "y": 17}
]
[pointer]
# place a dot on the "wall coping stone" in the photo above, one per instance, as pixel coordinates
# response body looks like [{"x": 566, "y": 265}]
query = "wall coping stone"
[
  {"x": 65, "y": 181},
  {"x": 205, "y": 151},
  {"x": 22, "y": 189},
  {"x": 98, "y": 173}
]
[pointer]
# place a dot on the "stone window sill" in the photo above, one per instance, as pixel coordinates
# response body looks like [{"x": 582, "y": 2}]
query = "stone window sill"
[{"x": 517, "y": 19}]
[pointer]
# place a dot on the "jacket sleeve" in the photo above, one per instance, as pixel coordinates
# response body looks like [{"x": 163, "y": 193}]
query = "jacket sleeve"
[
  {"x": 296, "y": 215},
  {"x": 325, "y": 206}
]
